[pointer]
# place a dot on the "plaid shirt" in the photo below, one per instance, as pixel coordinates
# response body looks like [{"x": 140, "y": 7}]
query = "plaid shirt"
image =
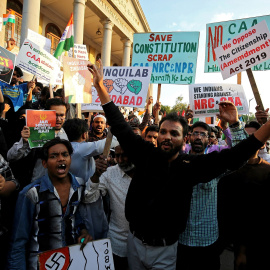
[
  {"x": 6, "y": 172},
  {"x": 202, "y": 225}
]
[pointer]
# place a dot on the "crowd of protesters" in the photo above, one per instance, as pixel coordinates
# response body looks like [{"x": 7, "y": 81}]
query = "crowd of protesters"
[{"x": 171, "y": 194}]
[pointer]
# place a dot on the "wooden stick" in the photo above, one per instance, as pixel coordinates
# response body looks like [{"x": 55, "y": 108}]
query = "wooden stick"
[
  {"x": 255, "y": 88},
  {"x": 51, "y": 91},
  {"x": 108, "y": 143},
  {"x": 79, "y": 110},
  {"x": 158, "y": 97},
  {"x": 239, "y": 81},
  {"x": 12, "y": 30}
]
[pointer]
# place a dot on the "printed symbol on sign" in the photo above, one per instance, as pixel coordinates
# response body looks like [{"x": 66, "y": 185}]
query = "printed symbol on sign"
[
  {"x": 42, "y": 135},
  {"x": 135, "y": 86},
  {"x": 78, "y": 79},
  {"x": 120, "y": 85},
  {"x": 56, "y": 261},
  {"x": 108, "y": 84}
]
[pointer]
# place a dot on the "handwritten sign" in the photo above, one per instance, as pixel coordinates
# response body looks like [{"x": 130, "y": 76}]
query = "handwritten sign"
[
  {"x": 173, "y": 56},
  {"x": 204, "y": 98},
  {"x": 7, "y": 64},
  {"x": 42, "y": 127},
  {"x": 34, "y": 59},
  {"x": 244, "y": 51},
  {"x": 127, "y": 86},
  {"x": 77, "y": 80},
  {"x": 96, "y": 255},
  {"x": 219, "y": 33}
]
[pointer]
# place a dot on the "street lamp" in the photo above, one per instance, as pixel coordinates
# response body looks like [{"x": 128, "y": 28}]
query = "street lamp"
[{"x": 249, "y": 108}]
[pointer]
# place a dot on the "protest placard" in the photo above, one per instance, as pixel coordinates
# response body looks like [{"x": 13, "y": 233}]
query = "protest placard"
[
  {"x": 80, "y": 52},
  {"x": 127, "y": 86},
  {"x": 42, "y": 126},
  {"x": 173, "y": 56},
  {"x": 96, "y": 255},
  {"x": 244, "y": 51},
  {"x": 40, "y": 40},
  {"x": 33, "y": 59},
  {"x": 204, "y": 98},
  {"x": 220, "y": 32},
  {"x": 77, "y": 80},
  {"x": 90, "y": 107},
  {"x": 7, "y": 64}
]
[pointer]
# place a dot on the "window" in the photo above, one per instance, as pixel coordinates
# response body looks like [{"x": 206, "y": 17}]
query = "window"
[
  {"x": 14, "y": 30},
  {"x": 53, "y": 33}
]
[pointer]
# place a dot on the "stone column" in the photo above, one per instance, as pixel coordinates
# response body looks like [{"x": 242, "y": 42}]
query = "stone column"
[
  {"x": 3, "y": 10},
  {"x": 30, "y": 17},
  {"x": 107, "y": 42},
  {"x": 78, "y": 13},
  {"x": 126, "y": 52}
]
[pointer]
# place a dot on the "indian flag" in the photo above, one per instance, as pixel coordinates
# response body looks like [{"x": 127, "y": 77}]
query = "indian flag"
[
  {"x": 67, "y": 39},
  {"x": 10, "y": 17}
]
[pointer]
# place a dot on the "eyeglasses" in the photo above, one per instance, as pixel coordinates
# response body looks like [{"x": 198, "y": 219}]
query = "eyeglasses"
[
  {"x": 212, "y": 136},
  {"x": 196, "y": 134}
]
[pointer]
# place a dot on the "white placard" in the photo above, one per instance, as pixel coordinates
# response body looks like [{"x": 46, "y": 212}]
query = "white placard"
[
  {"x": 40, "y": 40},
  {"x": 204, "y": 98},
  {"x": 95, "y": 255},
  {"x": 80, "y": 52},
  {"x": 244, "y": 51},
  {"x": 35, "y": 60}
]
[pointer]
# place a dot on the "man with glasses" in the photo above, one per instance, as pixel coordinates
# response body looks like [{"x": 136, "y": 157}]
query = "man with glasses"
[
  {"x": 199, "y": 245},
  {"x": 15, "y": 91},
  {"x": 22, "y": 149}
]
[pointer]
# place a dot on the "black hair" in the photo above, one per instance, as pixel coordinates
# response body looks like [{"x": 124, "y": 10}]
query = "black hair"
[
  {"x": 56, "y": 94},
  {"x": 213, "y": 129},
  {"x": 61, "y": 92},
  {"x": 54, "y": 102},
  {"x": 74, "y": 128},
  {"x": 53, "y": 142},
  {"x": 151, "y": 128},
  {"x": 45, "y": 92},
  {"x": 252, "y": 124},
  {"x": 175, "y": 118},
  {"x": 40, "y": 85},
  {"x": 201, "y": 124},
  {"x": 136, "y": 128},
  {"x": 18, "y": 71}
]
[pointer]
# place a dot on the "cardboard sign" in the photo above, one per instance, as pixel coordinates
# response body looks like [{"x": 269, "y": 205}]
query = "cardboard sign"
[
  {"x": 219, "y": 33},
  {"x": 96, "y": 255},
  {"x": 80, "y": 52},
  {"x": 204, "y": 98},
  {"x": 34, "y": 59},
  {"x": 244, "y": 51},
  {"x": 173, "y": 56},
  {"x": 90, "y": 107},
  {"x": 127, "y": 86},
  {"x": 40, "y": 40},
  {"x": 42, "y": 127},
  {"x": 77, "y": 80},
  {"x": 7, "y": 64}
]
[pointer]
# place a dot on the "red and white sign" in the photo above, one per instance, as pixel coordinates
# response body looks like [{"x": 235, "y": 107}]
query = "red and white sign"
[{"x": 244, "y": 51}]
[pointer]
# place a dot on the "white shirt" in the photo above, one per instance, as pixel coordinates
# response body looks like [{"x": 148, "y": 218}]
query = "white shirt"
[{"x": 116, "y": 182}]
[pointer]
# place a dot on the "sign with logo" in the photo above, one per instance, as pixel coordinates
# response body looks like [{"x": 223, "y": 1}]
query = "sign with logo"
[
  {"x": 42, "y": 126},
  {"x": 173, "y": 56}
]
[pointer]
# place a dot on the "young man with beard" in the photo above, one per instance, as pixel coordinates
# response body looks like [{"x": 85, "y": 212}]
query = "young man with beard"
[
  {"x": 158, "y": 201},
  {"x": 46, "y": 215},
  {"x": 151, "y": 134},
  {"x": 115, "y": 181},
  {"x": 199, "y": 245},
  {"x": 14, "y": 91}
]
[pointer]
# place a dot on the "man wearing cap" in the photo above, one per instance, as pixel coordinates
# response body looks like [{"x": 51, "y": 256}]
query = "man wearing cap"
[{"x": 98, "y": 131}]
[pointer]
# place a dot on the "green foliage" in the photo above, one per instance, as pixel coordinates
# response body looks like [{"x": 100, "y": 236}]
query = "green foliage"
[
  {"x": 165, "y": 108},
  {"x": 249, "y": 117},
  {"x": 179, "y": 105}
]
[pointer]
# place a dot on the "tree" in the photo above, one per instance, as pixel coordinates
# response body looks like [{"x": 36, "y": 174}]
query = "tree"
[
  {"x": 165, "y": 108},
  {"x": 179, "y": 105}
]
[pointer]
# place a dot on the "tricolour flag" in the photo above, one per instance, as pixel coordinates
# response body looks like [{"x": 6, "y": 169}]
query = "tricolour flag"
[
  {"x": 10, "y": 17},
  {"x": 67, "y": 39}
]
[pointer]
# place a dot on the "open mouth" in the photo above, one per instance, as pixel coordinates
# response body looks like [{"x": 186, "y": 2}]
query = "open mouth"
[
  {"x": 61, "y": 168},
  {"x": 166, "y": 145}
]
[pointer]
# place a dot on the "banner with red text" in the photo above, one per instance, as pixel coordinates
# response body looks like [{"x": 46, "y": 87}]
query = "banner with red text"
[
  {"x": 204, "y": 98},
  {"x": 96, "y": 255},
  {"x": 35, "y": 60},
  {"x": 173, "y": 56},
  {"x": 219, "y": 33},
  {"x": 244, "y": 51},
  {"x": 7, "y": 64}
]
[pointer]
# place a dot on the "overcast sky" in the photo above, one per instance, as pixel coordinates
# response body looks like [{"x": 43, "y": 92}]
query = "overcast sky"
[{"x": 193, "y": 15}]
